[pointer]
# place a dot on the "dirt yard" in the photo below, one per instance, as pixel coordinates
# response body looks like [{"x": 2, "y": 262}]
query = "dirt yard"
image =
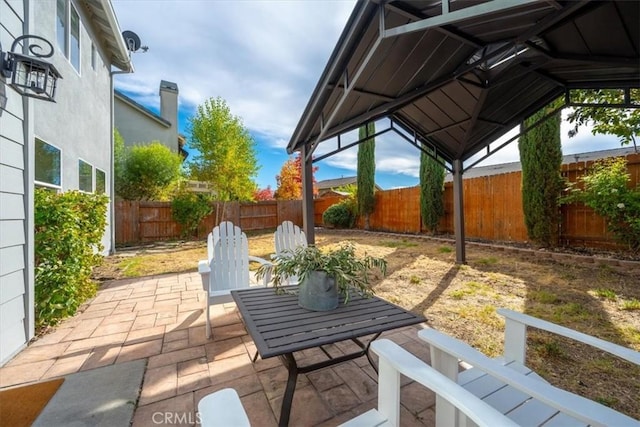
[{"x": 461, "y": 300}]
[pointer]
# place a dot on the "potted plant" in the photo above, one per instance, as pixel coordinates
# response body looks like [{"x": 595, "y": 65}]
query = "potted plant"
[{"x": 324, "y": 275}]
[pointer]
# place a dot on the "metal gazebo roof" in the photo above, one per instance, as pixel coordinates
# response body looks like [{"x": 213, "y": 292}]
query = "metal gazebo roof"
[{"x": 456, "y": 75}]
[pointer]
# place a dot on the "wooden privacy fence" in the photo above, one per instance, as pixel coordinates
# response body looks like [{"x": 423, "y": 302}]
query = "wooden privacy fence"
[
  {"x": 140, "y": 221},
  {"x": 492, "y": 208}
]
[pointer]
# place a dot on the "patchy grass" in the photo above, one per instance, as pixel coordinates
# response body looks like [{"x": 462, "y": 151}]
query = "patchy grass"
[
  {"x": 398, "y": 243},
  {"x": 461, "y": 300},
  {"x": 606, "y": 293},
  {"x": 630, "y": 304}
]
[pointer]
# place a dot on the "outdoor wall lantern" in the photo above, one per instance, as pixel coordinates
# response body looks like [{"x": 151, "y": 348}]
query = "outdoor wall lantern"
[{"x": 30, "y": 75}]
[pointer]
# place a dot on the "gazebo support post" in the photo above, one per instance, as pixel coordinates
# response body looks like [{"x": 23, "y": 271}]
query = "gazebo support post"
[
  {"x": 307, "y": 194},
  {"x": 458, "y": 212}
]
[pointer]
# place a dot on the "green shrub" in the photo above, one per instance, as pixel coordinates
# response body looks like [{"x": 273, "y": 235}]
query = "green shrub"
[
  {"x": 68, "y": 232},
  {"x": 607, "y": 192},
  {"x": 339, "y": 215},
  {"x": 189, "y": 209},
  {"x": 148, "y": 171}
]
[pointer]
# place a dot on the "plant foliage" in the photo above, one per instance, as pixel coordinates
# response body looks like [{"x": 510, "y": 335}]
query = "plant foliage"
[
  {"x": 263, "y": 194},
  {"x": 339, "y": 215},
  {"x": 227, "y": 154},
  {"x": 148, "y": 172},
  {"x": 189, "y": 209},
  {"x": 68, "y": 232},
  {"x": 606, "y": 191},
  {"x": 624, "y": 123},
  {"x": 431, "y": 191},
  {"x": 366, "y": 172},
  {"x": 289, "y": 180},
  {"x": 541, "y": 158},
  {"x": 350, "y": 271}
]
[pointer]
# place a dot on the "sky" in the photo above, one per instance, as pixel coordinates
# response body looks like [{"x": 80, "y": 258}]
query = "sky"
[{"x": 264, "y": 58}]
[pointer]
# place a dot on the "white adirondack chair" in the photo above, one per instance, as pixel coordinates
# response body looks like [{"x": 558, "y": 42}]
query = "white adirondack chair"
[
  {"x": 225, "y": 228},
  {"x": 229, "y": 267},
  {"x": 288, "y": 237}
]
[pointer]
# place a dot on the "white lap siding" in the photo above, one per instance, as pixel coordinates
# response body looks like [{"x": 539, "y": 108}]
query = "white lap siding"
[{"x": 16, "y": 199}]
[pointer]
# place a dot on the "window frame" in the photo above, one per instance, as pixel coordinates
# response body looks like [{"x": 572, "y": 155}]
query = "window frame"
[
  {"x": 67, "y": 50},
  {"x": 38, "y": 183},
  {"x": 96, "y": 190},
  {"x": 80, "y": 161}
]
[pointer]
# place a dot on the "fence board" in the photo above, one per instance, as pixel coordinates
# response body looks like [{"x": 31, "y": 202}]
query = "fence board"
[{"x": 492, "y": 209}]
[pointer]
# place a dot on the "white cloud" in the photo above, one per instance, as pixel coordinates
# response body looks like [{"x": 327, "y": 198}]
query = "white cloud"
[{"x": 263, "y": 57}]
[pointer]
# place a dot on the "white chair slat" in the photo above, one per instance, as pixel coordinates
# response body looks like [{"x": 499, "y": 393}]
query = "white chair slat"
[
  {"x": 288, "y": 237},
  {"x": 228, "y": 268}
]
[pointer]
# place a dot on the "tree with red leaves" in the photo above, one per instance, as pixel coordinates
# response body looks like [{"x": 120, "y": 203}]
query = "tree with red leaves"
[
  {"x": 263, "y": 194},
  {"x": 290, "y": 180}
]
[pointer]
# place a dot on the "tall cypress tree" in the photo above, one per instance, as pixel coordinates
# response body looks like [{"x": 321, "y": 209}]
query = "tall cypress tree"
[
  {"x": 431, "y": 191},
  {"x": 541, "y": 158},
  {"x": 366, "y": 172}
]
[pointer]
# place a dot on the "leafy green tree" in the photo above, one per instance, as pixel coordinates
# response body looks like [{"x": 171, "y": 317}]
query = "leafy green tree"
[
  {"x": 606, "y": 191},
  {"x": 366, "y": 172},
  {"x": 541, "y": 159},
  {"x": 227, "y": 155},
  {"x": 624, "y": 123},
  {"x": 148, "y": 171},
  {"x": 431, "y": 192}
]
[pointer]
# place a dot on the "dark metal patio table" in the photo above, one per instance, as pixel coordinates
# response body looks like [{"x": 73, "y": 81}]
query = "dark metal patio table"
[{"x": 279, "y": 327}]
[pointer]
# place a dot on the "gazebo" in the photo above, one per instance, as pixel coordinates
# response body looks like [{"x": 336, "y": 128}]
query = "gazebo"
[{"x": 453, "y": 76}]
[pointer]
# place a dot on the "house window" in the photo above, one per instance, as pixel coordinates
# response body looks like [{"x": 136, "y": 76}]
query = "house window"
[
  {"x": 101, "y": 181},
  {"x": 74, "y": 41},
  {"x": 85, "y": 176},
  {"x": 47, "y": 172},
  {"x": 61, "y": 25},
  {"x": 68, "y": 31}
]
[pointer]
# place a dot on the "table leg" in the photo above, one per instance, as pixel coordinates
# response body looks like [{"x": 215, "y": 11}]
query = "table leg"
[{"x": 285, "y": 411}]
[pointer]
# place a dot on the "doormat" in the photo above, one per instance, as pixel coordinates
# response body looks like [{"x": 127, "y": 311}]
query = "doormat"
[{"x": 20, "y": 406}]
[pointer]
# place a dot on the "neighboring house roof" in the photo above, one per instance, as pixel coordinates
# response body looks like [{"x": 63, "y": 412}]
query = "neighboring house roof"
[
  {"x": 124, "y": 98},
  {"x": 104, "y": 17},
  {"x": 477, "y": 172},
  {"x": 335, "y": 182},
  {"x": 328, "y": 184}
]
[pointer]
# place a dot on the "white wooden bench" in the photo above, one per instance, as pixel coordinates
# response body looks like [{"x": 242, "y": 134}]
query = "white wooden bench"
[{"x": 512, "y": 388}]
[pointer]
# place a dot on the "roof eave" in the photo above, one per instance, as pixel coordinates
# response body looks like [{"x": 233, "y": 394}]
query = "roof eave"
[
  {"x": 133, "y": 104},
  {"x": 112, "y": 34}
]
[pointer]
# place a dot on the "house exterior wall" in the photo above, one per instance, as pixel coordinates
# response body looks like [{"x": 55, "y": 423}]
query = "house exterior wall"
[
  {"x": 136, "y": 127},
  {"x": 79, "y": 122},
  {"x": 16, "y": 200}
]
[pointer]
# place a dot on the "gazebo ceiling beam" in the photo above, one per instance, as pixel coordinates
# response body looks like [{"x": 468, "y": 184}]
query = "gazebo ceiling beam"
[
  {"x": 364, "y": 92},
  {"x": 446, "y": 30},
  {"x": 455, "y": 16}
]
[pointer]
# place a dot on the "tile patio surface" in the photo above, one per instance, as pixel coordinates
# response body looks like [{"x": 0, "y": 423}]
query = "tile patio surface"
[{"x": 161, "y": 319}]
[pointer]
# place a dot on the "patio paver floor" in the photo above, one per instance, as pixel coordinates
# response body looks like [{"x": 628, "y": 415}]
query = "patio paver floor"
[{"x": 161, "y": 319}]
